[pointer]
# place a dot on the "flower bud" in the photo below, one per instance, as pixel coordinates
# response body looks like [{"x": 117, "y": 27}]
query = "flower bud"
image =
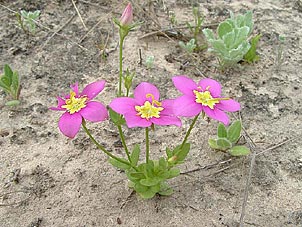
[
  {"x": 127, "y": 16},
  {"x": 128, "y": 79}
]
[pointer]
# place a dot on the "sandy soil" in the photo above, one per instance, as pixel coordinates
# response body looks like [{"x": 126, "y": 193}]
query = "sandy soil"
[{"x": 48, "y": 180}]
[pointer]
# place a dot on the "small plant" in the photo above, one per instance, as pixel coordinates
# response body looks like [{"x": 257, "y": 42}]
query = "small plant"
[
  {"x": 149, "y": 61},
  {"x": 227, "y": 138},
  {"x": 189, "y": 46},
  {"x": 27, "y": 20},
  {"x": 172, "y": 18},
  {"x": 231, "y": 44},
  {"x": 195, "y": 28},
  {"x": 251, "y": 56},
  {"x": 10, "y": 83}
]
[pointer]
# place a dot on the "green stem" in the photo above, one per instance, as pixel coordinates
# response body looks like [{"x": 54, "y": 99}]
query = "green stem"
[
  {"x": 103, "y": 149},
  {"x": 147, "y": 145},
  {"x": 122, "y": 37},
  {"x": 189, "y": 131},
  {"x": 124, "y": 142}
]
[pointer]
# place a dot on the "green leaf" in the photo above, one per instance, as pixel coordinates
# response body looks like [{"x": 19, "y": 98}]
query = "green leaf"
[
  {"x": 222, "y": 131},
  {"x": 137, "y": 175},
  {"x": 182, "y": 154},
  {"x": 165, "y": 189},
  {"x": 12, "y": 103},
  {"x": 229, "y": 39},
  {"x": 149, "y": 169},
  {"x": 15, "y": 84},
  {"x": 224, "y": 143},
  {"x": 213, "y": 144},
  {"x": 150, "y": 181},
  {"x": 239, "y": 151},
  {"x": 234, "y": 131},
  {"x": 224, "y": 28},
  {"x": 162, "y": 164},
  {"x": 208, "y": 33},
  {"x": 116, "y": 118},
  {"x": 251, "y": 56},
  {"x": 135, "y": 154},
  {"x": 118, "y": 164},
  {"x": 8, "y": 72},
  {"x": 140, "y": 188},
  {"x": 174, "y": 172},
  {"x": 169, "y": 153}
]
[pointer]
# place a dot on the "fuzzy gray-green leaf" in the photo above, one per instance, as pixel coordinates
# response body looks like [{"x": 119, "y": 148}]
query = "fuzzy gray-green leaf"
[
  {"x": 224, "y": 28},
  {"x": 222, "y": 131},
  {"x": 224, "y": 143},
  {"x": 239, "y": 151},
  {"x": 234, "y": 131}
]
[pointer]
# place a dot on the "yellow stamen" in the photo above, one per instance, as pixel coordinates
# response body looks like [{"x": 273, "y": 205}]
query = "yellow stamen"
[
  {"x": 205, "y": 98},
  {"x": 149, "y": 110},
  {"x": 74, "y": 104}
]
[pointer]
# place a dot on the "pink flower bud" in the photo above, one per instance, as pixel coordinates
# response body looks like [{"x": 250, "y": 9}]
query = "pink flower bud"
[{"x": 127, "y": 15}]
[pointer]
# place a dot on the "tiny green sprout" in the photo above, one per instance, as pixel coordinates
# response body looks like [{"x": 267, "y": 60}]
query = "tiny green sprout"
[
  {"x": 231, "y": 43},
  {"x": 196, "y": 26},
  {"x": 10, "y": 84},
  {"x": 227, "y": 138},
  {"x": 251, "y": 56},
  {"x": 27, "y": 20},
  {"x": 172, "y": 18},
  {"x": 189, "y": 46},
  {"x": 149, "y": 61}
]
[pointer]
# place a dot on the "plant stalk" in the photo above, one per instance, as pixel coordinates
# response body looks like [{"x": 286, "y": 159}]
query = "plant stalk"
[
  {"x": 147, "y": 145},
  {"x": 189, "y": 130}
]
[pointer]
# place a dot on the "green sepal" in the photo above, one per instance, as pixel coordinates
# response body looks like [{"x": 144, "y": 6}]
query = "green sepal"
[
  {"x": 223, "y": 143},
  {"x": 222, "y": 131},
  {"x": 234, "y": 131},
  {"x": 116, "y": 118},
  {"x": 239, "y": 151},
  {"x": 118, "y": 164},
  {"x": 135, "y": 155}
]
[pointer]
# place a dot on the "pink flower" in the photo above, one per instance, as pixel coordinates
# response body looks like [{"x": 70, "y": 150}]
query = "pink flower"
[
  {"x": 79, "y": 105},
  {"x": 204, "y": 96},
  {"x": 127, "y": 15},
  {"x": 145, "y": 108}
]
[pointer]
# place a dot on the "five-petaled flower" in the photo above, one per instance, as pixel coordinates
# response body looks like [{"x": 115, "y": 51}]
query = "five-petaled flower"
[
  {"x": 127, "y": 15},
  {"x": 79, "y": 105},
  {"x": 145, "y": 108},
  {"x": 204, "y": 96}
]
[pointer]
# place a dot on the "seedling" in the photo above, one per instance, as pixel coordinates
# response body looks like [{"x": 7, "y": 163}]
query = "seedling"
[
  {"x": 149, "y": 61},
  {"x": 26, "y": 20},
  {"x": 227, "y": 138},
  {"x": 172, "y": 18},
  {"x": 10, "y": 84},
  {"x": 231, "y": 44},
  {"x": 189, "y": 46},
  {"x": 196, "y": 26}
]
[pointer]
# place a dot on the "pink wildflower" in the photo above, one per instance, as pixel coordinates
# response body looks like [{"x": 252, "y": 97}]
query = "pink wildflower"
[
  {"x": 204, "y": 96},
  {"x": 79, "y": 105},
  {"x": 145, "y": 108},
  {"x": 127, "y": 15}
]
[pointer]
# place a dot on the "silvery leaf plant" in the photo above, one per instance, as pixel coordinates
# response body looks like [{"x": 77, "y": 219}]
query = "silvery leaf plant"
[{"x": 231, "y": 43}]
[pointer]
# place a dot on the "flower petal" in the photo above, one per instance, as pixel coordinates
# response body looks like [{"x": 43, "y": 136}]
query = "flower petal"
[
  {"x": 213, "y": 86},
  {"x": 133, "y": 120},
  {"x": 75, "y": 88},
  {"x": 123, "y": 105},
  {"x": 93, "y": 89},
  {"x": 94, "y": 111},
  {"x": 184, "y": 84},
  {"x": 217, "y": 115},
  {"x": 70, "y": 124},
  {"x": 186, "y": 106},
  {"x": 60, "y": 103},
  {"x": 166, "y": 120},
  {"x": 142, "y": 90},
  {"x": 228, "y": 105},
  {"x": 168, "y": 105}
]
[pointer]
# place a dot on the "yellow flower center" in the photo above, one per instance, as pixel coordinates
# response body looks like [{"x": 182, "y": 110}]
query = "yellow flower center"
[
  {"x": 74, "y": 104},
  {"x": 205, "y": 98},
  {"x": 149, "y": 110}
]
